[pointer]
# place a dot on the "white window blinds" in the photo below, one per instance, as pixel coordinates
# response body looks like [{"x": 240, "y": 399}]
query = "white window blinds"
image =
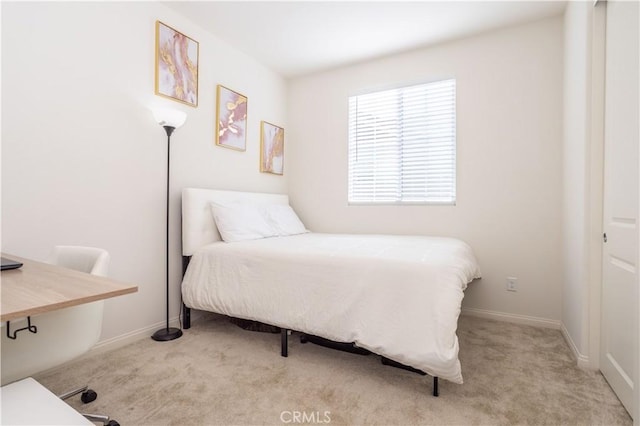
[{"x": 402, "y": 145}]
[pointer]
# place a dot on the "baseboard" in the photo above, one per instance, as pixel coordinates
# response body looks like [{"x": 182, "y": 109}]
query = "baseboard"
[
  {"x": 135, "y": 335},
  {"x": 514, "y": 318},
  {"x": 130, "y": 337},
  {"x": 141, "y": 333},
  {"x": 581, "y": 360}
]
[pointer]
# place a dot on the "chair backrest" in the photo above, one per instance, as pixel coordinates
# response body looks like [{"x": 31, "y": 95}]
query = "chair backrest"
[
  {"x": 63, "y": 334},
  {"x": 84, "y": 259}
]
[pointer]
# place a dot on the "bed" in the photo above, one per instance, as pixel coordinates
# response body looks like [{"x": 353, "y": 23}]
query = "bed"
[{"x": 396, "y": 296}]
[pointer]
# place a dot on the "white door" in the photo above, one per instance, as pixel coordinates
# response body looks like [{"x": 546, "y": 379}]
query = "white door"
[{"x": 619, "y": 346}]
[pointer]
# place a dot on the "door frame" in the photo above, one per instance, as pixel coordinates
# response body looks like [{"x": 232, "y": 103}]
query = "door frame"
[{"x": 595, "y": 172}]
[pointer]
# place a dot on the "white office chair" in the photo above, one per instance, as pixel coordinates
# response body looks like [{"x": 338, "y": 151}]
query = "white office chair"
[{"x": 62, "y": 335}]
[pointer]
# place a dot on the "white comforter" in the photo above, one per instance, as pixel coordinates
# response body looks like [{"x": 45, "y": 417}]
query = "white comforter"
[{"x": 397, "y": 296}]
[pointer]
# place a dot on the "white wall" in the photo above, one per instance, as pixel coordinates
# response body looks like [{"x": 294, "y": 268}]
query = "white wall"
[
  {"x": 509, "y": 112},
  {"x": 83, "y": 161},
  {"x": 582, "y": 178}
]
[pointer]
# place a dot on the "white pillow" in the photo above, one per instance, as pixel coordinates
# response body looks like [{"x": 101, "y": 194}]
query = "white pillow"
[
  {"x": 284, "y": 220},
  {"x": 241, "y": 222}
]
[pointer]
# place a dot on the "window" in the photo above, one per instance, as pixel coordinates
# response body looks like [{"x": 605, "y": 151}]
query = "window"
[{"x": 402, "y": 145}]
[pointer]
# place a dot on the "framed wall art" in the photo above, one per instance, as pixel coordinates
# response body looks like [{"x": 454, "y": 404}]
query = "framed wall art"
[
  {"x": 231, "y": 119},
  {"x": 176, "y": 65},
  {"x": 271, "y": 148}
]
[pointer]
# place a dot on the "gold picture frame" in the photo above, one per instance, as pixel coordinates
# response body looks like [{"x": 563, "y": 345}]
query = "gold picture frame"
[
  {"x": 271, "y": 148},
  {"x": 231, "y": 119},
  {"x": 176, "y": 65}
]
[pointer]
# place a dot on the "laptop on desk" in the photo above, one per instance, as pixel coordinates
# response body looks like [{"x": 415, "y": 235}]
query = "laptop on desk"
[{"x": 10, "y": 264}]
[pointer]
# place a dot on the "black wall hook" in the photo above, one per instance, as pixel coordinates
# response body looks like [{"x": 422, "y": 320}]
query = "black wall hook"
[{"x": 14, "y": 336}]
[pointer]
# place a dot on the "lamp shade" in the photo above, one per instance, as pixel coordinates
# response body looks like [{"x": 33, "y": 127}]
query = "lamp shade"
[{"x": 170, "y": 117}]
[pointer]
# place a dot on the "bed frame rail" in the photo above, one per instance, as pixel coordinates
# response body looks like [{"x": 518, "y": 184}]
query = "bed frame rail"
[{"x": 284, "y": 351}]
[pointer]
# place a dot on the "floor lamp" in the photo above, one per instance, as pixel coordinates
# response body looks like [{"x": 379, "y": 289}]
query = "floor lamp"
[{"x": 170, "y": 119}]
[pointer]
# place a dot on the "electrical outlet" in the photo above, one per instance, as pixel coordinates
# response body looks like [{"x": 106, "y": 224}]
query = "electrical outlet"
[{"x": 512, "y": 284}]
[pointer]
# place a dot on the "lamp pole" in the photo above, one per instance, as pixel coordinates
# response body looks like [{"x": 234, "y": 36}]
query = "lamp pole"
[{"x": 168, "y": 333}]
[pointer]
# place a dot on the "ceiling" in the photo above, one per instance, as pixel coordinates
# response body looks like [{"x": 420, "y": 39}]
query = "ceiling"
[{"x": 295, "y": 38}]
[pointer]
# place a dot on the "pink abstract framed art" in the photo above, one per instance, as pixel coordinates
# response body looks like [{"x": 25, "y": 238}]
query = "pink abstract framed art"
[
  {"x": 176, "y": 65},
  {"x": 271, "y": 148},
  {"x": 231, "y": 119}
]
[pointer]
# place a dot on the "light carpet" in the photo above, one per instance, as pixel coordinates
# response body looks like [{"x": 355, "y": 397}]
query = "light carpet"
[{"x": 218, "y": 373}]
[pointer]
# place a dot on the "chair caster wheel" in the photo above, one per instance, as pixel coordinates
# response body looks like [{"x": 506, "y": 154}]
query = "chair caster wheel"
[
  {"x": 88, "y": 396},
  {"x": 113, "y": 423}
]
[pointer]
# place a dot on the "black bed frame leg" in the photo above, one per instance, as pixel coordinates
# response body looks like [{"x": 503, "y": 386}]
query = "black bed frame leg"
[
  {"x": 435, "y": 387},
  {"x": 284, "y": 340},
  {"x": 186, "y": 312},
  {"x": 186, "y": 317}
]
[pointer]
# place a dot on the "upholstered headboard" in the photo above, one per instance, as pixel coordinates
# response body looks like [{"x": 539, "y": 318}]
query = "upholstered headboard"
[{"x": 198, "y": 227}]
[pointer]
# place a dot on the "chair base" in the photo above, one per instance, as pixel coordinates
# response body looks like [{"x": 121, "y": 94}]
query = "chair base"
[
  {"x": 105, "y": 420},
  {"x": 88, "y": 395},
  {"x": 166, "y": 334}
]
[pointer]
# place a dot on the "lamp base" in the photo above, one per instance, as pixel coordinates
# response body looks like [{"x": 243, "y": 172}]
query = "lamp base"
[{"x": 166, "y": 334}]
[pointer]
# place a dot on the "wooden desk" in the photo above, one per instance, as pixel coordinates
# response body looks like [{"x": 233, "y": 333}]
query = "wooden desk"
[{"x": 38, "y": 287}]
